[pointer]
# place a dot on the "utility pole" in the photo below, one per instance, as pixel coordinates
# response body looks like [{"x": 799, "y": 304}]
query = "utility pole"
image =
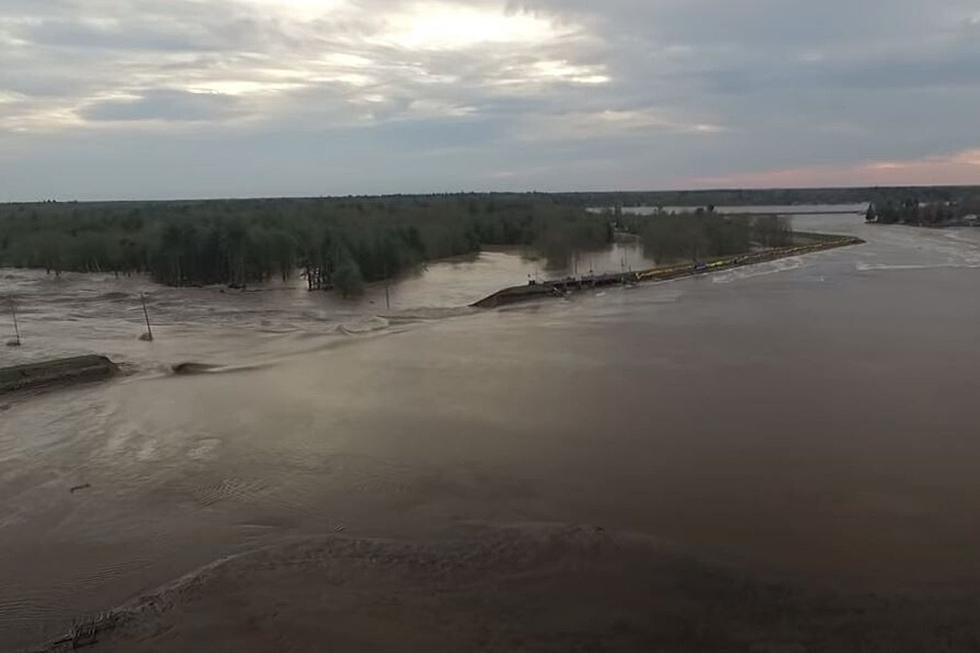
[
  {"x": 387, "y": 286},
  {"x": 13, "y": 314},
  {"x": 148, "y": 336}
]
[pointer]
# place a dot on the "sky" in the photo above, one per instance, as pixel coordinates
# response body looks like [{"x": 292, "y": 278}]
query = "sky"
[{"x": 147, "y": 99}]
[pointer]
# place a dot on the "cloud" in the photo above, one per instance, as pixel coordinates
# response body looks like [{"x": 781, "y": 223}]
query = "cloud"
[
  {"x": 341, "y": 96},
  {"x": 608, "y": 124},
  {"x": 453, "y": 26},
  {"x": 164, "y": 104}
]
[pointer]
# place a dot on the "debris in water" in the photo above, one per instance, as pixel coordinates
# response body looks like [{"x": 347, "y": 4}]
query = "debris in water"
[{"x": 83, "y": 486}]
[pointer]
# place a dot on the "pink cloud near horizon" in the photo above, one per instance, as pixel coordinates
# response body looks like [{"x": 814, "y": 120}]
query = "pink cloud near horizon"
[{"x": 961, "y": 168}]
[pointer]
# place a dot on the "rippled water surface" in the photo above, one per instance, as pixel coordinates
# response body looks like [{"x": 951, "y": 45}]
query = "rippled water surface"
[{"x": 815, "y": 416}]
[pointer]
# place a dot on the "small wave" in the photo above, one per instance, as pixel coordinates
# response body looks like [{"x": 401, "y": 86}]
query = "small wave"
[
  {"x": 965, "y": 236},
  {"x": 369, "y": 325},
  {"x": 759, "y": 270},
  {"x": 229, "y": 489},
  {"x": 431, "y": 313},
  {"x": 115, "y": 296},
  {"x": 192, "y": 368},
  {"x": 204, "y": 449},
  {"x": 871, "y": 267},
  {"x": 279, "y": 330}
]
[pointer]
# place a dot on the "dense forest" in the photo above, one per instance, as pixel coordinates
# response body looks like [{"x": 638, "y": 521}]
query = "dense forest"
[
  {"x": 913, "y": 211},
  {"x": 879, "y": 195},
  {"x": 335, "y": 243},
  {"x": 700, "y": 235},
  {"x": 345, "y": 242}
]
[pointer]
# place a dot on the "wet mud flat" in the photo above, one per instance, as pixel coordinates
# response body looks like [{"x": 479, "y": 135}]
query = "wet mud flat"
[{"x": 519, "y": 588}]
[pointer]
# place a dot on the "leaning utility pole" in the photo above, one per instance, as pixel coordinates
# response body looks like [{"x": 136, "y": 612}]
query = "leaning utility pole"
[
  {"x": 13, "y": 314},
  {"x": 148, "y": 336}
]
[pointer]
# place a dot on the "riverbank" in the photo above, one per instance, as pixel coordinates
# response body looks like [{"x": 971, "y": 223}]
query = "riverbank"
[
  {"x": 811, "y": 243},
  {"x": 517, "y": 588}
]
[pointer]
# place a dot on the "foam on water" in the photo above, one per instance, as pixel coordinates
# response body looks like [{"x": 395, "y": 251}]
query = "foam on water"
[
  {"x": 869, "y": 267},
  {"x": 761, "y": 270}
]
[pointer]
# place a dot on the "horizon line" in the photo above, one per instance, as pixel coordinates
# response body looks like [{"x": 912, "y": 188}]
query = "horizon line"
[{"x": 720, "y": 189}]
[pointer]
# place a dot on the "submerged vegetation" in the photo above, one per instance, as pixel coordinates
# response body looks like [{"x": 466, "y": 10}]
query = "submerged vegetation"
[
  {"x": 336, "y": 243},
  {"x": 913, "y": 211},
  {"x": 668, "y": 237},
  {"x": 345, "y": 243}
]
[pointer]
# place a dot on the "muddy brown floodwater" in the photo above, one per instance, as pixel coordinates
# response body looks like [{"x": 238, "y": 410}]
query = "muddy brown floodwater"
[{"x": 814, "y": 418}]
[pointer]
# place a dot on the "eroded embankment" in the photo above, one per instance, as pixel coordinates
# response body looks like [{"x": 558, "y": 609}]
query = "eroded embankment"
[
  {"x": 60, "y": 372},
  {"x": 559, "y": 287}
]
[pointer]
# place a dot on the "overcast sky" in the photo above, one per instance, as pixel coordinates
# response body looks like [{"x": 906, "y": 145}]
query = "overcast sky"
[{"x": 216, "y": 98}]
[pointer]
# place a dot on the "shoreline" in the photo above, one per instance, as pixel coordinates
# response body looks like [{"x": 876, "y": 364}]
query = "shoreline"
[{"x": 561, "y": 287}]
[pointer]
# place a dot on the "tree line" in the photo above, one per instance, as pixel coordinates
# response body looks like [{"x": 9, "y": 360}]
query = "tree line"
[
  {"x": 701, "y": 235},
  {"x": 339, "y": 243},
  {"x": 879, "y": 195},
  {"x": 913, "y": 211}
]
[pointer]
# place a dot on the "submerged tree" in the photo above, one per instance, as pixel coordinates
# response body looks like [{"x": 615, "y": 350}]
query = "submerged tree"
[
  {"x": 871, "y": 215},
  {"x": 347, "y": 278},
  {"x": 333, "y": 242},
  {"x": 703, "y": 235}
]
